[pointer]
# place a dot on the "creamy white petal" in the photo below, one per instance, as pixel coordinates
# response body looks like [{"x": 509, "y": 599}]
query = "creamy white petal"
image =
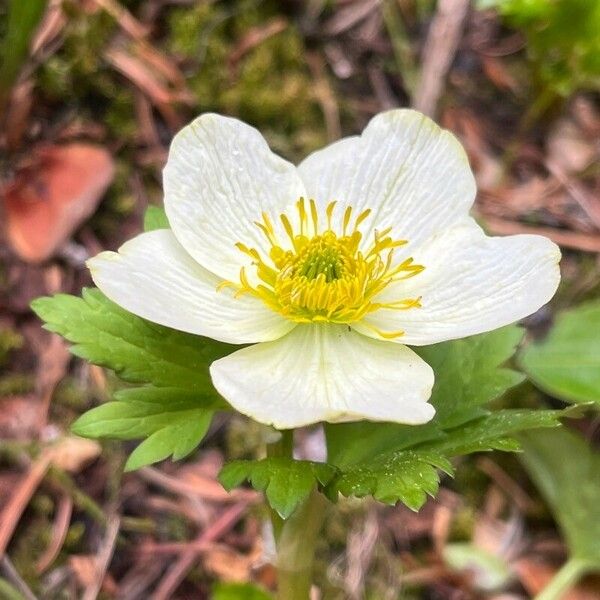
[
  {"x": 414, "y": 176},
  {"x": 219, "y": 177},
  {"x": 326, "y": 373},
  {"x": 153, "y": 277},
  {"x": 471, "y": 283}
]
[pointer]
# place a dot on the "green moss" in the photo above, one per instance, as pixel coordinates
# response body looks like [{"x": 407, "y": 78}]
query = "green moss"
[
  {"x": 9, "y": 340},
  {"x": 463, "y": 524},
  {"x": 244, "y": 438},
  {"x": 70, "y": 394},
  {"x": 120, "y": 115},
  {"x": 269, "y": 86},
  {"x": 43, "y": 505},
  {"x": 186, "y": 27},
  {"x": 14, "y": 384},
  {"x": 118, "y": 205},
  {"x": 74, "y": 537},
  {"x": 78, "y": 69},
  {"x": 33, "y": 537}
]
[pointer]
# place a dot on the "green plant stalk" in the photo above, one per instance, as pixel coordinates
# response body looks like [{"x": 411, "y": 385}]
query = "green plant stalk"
[
  {"x": 296, "y": 548},
  {"x": 296, "y": 537},
  {"x": 569, "y": 574}
]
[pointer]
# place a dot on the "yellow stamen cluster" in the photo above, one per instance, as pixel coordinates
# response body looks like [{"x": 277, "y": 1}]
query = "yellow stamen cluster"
[{"x": 323, "y": 276}]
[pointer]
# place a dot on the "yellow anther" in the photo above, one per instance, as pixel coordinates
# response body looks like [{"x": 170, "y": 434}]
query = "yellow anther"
[
  {"x": 329, "y": 212},
  {"x": 302, "y": 214},
  {"x": 314, "y": 215},
  {"x": 363, "y": 215},
  {"x": 327, "y": 276},
  {"x": 347, "y": 216}
]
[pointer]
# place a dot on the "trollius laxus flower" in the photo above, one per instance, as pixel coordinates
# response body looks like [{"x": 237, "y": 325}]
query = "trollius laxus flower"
[{"x": 330, "y": 269}]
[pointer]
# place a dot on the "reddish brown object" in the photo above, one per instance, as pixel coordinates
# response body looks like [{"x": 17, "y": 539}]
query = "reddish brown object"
[{"x": 50, "y": 197}]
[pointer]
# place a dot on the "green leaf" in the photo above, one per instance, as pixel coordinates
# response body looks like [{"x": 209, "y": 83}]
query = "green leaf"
[
  {"x": 286, "y": 482},
  {"x": 137, "y": 350},
  {"x": 567, "y": 363},
  {"x": 239, "y": 591},
  {"x": 400, "y": 462},
  {"x": 566, "y": 470},
  {"x": 177, "y": 439},
  {"x": 173, "y": 413},
  {"x": 408, "y": 476},
  {"x": 174, "y": 421},
  {"x": 494, "y": 431},
  {"x": 468, "y": 374},
  {"x": 140, "y": 412},
  {"x": 375, "y": 438},
  {"x": 155, "y": 217}
]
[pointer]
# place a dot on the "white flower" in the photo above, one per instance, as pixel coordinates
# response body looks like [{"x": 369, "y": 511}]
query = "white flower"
[{"x": 332, "y": 267}]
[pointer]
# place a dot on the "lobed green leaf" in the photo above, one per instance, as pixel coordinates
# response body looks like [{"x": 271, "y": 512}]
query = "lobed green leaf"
[
  {"x": 494, "y": 431},
  {"x": 408, "y": 476},
  {"x": 174, "y": 421},
  {"x": 285, "y": 482},
  {"x": 468, "y": 374},
  {"x": 177, "y": 439},
  {"x": 175, "y": 411},
  {"x": 137, "y": 350}
]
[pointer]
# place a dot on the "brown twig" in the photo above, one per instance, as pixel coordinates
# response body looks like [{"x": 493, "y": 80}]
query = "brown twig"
[
  {"x": 59, "y": 533},
  {"x": 53, "y": 360},
  {"x": 254, "y": 37},
  {"x": 175, "y": 575},
  {"x": 9, "y": 518},
  {"x": 143, "y": 77},
  {"x": 506, "y": 483},
  {"x": 203, "y": 488},
  {"x": 440, "y": 48},
  {"x": 124, "y": 18},
  {"x": 589, "y": 206},
  {"x": 104, "y": 557},
  {"x": 568, "y": 239},
  {"x": 349, "y": 16},
  {"x": 325, "y": 96}
]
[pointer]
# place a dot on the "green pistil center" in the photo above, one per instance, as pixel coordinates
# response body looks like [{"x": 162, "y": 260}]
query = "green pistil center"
[{"x": 324, "y": 260}]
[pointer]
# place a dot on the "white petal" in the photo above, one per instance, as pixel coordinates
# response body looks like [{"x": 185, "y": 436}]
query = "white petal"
[
  {"x": 219, "y": 177},
  {"x": 326, "y": 373},
  {"x": 153, "y": 277},
  {"x": 471, "y": 283},
  {"x": 413, "y": 175}
]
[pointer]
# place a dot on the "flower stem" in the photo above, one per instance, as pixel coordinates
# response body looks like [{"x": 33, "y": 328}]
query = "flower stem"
[
  {"x": 296, "y": 548},
  {"x": 567, "y": 576},
  {"x": 296, "y": 537}
]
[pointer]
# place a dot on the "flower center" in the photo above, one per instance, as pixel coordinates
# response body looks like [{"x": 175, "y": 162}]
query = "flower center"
[
  {"x": 320, "y": 275},
  {"x": 322, "y": 256}
]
